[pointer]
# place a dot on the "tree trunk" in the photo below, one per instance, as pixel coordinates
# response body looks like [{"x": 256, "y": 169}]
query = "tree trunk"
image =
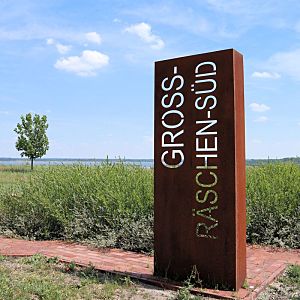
[{"x": 31, "y": 163}]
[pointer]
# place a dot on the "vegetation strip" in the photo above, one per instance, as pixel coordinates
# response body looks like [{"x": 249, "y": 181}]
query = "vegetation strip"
[
  {"x": 46, "y": 278},
  {"x": 112, "y": 204}
]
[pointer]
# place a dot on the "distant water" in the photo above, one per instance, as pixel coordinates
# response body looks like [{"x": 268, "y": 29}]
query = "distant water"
[{"x": 147, "y": 163}]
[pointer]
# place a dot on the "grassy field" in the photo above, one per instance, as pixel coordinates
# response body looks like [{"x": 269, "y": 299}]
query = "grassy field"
[
  {"x": 13, "y": 175},
  {"x": 37, "y": 277},
  {"x": 112, "y": 205}
]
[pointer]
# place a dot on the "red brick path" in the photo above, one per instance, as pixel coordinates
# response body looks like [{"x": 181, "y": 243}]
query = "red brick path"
[{"x": 263, "y": 264}]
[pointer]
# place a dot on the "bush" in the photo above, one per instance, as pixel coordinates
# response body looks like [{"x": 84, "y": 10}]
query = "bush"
[
  {"x": 112, "y": 205},
  {"x": 109, "y": 205},
  {"x": 273, "y": 204}
]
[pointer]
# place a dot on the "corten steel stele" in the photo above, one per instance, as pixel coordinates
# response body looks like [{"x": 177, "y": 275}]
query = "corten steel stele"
[{"x": 200, "y": 197}]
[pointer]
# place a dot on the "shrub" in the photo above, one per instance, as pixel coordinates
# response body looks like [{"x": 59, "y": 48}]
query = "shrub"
[
  {"x": 110, "y": 205},
  {"x": 273, "y": 204}
]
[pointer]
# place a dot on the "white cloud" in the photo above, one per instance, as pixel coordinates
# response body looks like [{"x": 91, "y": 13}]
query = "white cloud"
[
  {"x": 62, "y": 49},
  {"x": 93, "y": 37},
  {"x": 4, "y": 112},
  {"x": 270, "y": 75},
  {"x": 259, "y": 107},
  {"x": 261, "y": 119},
  {"x": 174, "y": 15},
  {"x": 50, "y": 41},
  {"x": 144, "y": 32},
  {"x": 286, "y": 63},
  {"x": 87, "y": 64}
]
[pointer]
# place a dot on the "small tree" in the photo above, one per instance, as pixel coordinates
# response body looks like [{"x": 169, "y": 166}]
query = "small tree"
[{"x": 32, "y": 138}]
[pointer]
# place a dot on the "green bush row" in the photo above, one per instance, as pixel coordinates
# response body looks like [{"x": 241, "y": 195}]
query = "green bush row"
[
  {"x": 112, "y": 205},
  {"x": 109, "y": 205},
  {"x": 273, "y": 204}
]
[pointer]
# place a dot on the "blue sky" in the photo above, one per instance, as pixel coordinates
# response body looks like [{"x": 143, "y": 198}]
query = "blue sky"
[{"x": 88, "y": 65}]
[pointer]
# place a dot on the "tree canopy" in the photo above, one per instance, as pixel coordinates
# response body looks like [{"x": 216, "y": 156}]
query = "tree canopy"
[{"x": 32, "y": 138}]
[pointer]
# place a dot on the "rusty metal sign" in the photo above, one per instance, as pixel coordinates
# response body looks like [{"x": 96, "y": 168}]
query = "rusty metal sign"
[{"x": 199, "y": 167}]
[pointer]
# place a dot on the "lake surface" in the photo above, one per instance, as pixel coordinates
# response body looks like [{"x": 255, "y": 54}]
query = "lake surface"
[{"x": 147, "y": 163}]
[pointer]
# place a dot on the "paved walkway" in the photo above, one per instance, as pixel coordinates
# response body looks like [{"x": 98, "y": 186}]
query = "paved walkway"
[{"x": 263, "y": 264}]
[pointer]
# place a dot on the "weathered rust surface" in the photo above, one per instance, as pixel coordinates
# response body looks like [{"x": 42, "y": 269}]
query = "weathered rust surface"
[{"x": 200, "y": 213}]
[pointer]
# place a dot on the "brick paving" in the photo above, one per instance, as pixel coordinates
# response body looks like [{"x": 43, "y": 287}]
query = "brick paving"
[{"x": 263, "y": 264}]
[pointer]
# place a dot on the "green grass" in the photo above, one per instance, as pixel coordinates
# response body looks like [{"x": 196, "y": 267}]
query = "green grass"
[
  {"x": 37, "y": 277},
  {"x": 112, "y": 204},
  {"x": 13, "y": 175},
  {"x": 292, "y": 276},
  {"x": 287, "y": 286}
]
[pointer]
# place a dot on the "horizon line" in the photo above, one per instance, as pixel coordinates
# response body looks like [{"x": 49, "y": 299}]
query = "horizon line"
[{"x": 123, "y": 158}]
